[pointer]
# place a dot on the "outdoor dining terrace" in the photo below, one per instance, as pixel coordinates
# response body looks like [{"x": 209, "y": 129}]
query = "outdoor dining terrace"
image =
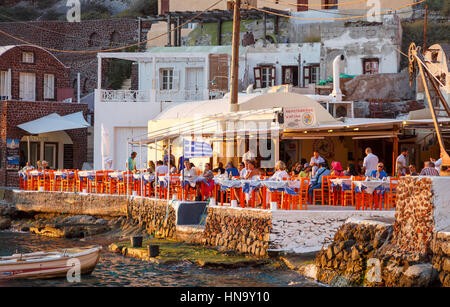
[{"x": 358, "y": 193}]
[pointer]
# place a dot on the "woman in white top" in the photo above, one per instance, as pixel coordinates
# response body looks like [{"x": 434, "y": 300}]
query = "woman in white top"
[{"x": 280, "y": 172}]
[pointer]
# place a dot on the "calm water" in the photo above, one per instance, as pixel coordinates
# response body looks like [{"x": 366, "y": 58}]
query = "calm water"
[{"x": 115, "y": 270}]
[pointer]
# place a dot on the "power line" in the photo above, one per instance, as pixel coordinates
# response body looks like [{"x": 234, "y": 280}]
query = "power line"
[
  {"x": 331, "y": 19},
  {"x": 112, "y": 49}
]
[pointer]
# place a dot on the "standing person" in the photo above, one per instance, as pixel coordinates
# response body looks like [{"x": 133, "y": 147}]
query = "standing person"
[
  {"x": 132, "y": 162},
  {"x": 429, "y": 169},
  {"x": 437, "y": 163},
  {"x": 249, "y": 155},
  {"x": 315, "y": 162},
  {"x": 370, "y": 163},
  {"x": 401, "y": 163},
  {"x": 220, "y": 170}
]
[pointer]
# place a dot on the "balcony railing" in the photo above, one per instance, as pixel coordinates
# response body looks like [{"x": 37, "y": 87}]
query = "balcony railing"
[
  {"x": 157, "y": 96},
  {"x": 125, "y": 96}
]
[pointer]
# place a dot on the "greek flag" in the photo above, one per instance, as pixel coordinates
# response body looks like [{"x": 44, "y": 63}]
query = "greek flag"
[{"x": 194, "y": 149}]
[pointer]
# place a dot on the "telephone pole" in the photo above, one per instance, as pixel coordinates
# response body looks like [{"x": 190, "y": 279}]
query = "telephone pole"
[
  {"x": 425, "y": 30},
  {"x": 235, "y": 57}
]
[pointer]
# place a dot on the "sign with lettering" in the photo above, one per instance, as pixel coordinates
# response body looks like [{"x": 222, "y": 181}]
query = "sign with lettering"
[
  {"x": 301, "y": 117},
  {"x": 12, "y": 154}
]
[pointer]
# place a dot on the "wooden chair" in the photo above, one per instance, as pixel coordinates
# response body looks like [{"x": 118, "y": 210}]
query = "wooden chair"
[
  {"x": 126, "y": 182},
  {"x": 391, "y": 195},
  {"x": 303, "y": 193}
]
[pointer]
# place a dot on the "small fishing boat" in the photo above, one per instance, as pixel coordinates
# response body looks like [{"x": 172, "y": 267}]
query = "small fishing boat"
[{"x": 52, "y": 264}]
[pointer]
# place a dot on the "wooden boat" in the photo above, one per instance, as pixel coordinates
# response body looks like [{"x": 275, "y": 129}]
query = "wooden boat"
[{"x": 41, "y": 265}]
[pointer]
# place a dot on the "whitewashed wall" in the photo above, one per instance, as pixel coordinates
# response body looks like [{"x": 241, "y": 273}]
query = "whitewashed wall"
[{"x": 308, "y": 231}]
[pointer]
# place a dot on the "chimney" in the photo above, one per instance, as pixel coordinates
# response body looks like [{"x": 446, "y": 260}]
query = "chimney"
[{"x": 337, "y": 93}]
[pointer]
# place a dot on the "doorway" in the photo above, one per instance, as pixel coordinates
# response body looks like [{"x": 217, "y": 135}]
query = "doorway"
[
  {"x": 290, "y": 75},
  {"x": 51, "y": 154},
  {"x": 194, "y": 84}
]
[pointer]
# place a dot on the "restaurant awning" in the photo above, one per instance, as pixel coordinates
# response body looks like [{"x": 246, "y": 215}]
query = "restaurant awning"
[{"x": 54, "y": 122}]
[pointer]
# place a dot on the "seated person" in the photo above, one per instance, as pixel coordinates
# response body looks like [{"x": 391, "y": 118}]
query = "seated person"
[
  {"x": 230, "y": 169},
  {"x": 189, "y": 173},
  {"x": 161, "y": 168},
  {"x": 379, "y": 173},
  {"x": 306, "y": 171},
  {"x": 316, "y": 181},
  {"x": 413, "y": 170},
  {"x": 219, "y": 170},
  {"x": 337, "y": 169},
  {"x": 280, "y": 172},
  {"x": 205, "y": 190}
]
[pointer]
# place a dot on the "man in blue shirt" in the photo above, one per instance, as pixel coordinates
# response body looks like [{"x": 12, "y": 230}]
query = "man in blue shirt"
[
  {"x": 316, "y": 181},
  {"x": 379, "y": 173},
  {"x": 231, "y": 169}
]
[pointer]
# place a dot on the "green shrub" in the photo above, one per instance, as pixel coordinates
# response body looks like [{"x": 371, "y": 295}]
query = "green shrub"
[{"x": 141, "y": 8}]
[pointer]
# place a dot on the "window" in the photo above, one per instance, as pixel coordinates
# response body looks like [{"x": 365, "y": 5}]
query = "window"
[
  {"x": 329, "y": 4},
  {"x": 166, "y": 79},
  {"x": 49, "y": 86},
  {"x": 302, "y": 5},
  {"x": 27, "y": 86},
  {"x": 28, "y": 57},
  {"x": 370, "y": 66},
  {"x": 4, "y": 85},
  {"x": 264, "y": 76},
  {"x": 311, "y": 74}
]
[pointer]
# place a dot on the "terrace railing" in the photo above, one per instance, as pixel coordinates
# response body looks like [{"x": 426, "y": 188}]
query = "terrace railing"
[{"x": 125, "y": 96}]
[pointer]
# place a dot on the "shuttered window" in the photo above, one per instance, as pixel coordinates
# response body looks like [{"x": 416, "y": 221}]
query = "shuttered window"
[
  {"x": 166, "y": 79},
  {"x": 264, "y": 76},
  {"x": 4, "y": 82},
  {"x": 49, "y": 86},
  {"x": 27, "y": 86}
]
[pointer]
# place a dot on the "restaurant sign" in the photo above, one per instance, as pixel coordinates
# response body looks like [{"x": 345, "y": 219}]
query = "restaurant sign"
[
  {"x": 301, "y": 117},
  {"x": 12, "y": 154}
]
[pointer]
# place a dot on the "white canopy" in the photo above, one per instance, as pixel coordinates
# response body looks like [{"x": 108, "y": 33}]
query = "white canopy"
[{"x": 54, "y": 122}]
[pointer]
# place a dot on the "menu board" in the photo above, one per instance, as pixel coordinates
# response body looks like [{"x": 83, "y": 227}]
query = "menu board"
[{"x": 12, "y": 154}]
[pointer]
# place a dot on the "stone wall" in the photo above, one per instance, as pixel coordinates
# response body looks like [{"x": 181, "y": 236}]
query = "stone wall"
[
  {"x": 413, "y": 228},
  {"x": 416, "y": 254},
  {"x": 86, "y": 35},
  {"x": 307, "y": 231},
  {"x": 246, "y": 231},
  {"x": 157, "y": 216},
  {"x": 441, "y": 256},
  {"x": 70, "y": 203},
  {"x": 344, "y": 262}
]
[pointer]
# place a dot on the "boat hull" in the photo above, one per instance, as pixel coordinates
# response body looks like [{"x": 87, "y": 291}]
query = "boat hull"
[{"x": 51, "y": 268}]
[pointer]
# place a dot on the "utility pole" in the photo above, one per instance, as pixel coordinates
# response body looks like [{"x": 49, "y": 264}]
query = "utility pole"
[
  {"x": 425, "y": 30},
  {"x": 235, "y": 57}
]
